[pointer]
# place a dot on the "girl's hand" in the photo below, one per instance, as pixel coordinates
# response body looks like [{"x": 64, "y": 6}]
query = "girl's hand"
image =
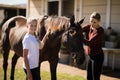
[
  {"x": 29, "y": 75},
  {"x": 48, "y": 33}
]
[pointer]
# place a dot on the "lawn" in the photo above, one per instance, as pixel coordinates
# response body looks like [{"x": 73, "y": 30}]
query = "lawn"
[
  {"x": 20, "y": 75},
  {"x": 45, "y": 75}
]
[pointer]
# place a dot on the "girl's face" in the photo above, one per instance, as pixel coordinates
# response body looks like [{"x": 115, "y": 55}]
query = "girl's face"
[
  {"x": 32, "y": 27},
  {"x": 94, "y": 23}
]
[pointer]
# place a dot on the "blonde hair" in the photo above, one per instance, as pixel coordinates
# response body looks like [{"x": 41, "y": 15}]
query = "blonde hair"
[
  {"x": 31, "y": 19},
  {"x": 96, "y": 15}
]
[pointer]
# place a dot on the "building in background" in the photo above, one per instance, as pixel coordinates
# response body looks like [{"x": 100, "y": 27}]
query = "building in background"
[
  {"x": 109, "y": 10},
  {"x": 12, "y": 8}
]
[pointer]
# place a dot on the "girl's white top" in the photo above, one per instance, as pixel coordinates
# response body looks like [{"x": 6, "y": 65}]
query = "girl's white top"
[{"x": 30, "y": 42}]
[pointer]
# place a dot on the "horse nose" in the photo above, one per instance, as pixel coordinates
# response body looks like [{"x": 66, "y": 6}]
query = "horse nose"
[{"x": 81, "y": 59}]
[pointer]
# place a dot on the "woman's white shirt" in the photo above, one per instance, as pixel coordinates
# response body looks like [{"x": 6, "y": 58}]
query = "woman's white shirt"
[{"x": 30, "y": 42}]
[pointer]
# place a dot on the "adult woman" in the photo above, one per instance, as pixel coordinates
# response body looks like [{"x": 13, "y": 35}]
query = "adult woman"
[
  {"x": 31, "y": 51},
  {"x": 93, "y": 46}
]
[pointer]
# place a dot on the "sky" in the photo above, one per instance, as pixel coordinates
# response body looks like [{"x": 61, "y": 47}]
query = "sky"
[{"x": 16, "y": 2}]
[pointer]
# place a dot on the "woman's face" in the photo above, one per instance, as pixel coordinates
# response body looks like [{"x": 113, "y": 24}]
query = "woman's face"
[
  {"x": 32, "y": 27},
  {"x": 94, "y": 22}
]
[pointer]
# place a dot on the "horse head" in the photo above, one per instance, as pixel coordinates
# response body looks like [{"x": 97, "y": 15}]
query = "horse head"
[{"x": 72, "y": 39}]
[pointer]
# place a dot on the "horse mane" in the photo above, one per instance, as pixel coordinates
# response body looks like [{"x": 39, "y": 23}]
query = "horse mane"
[
  {"x": 40, "y": 31},
  {"x": 58, "y": 23},
  {"x": 52, "y": 23}
]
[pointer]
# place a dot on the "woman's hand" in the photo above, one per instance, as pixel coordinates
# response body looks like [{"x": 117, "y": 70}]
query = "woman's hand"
[{"x": 93, "y": 34}]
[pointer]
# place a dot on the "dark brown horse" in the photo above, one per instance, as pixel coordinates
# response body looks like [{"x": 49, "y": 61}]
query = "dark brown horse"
[{"x": 63, "y": 30}]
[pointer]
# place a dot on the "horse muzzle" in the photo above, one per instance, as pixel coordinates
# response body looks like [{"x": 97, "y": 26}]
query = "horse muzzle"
[{"x": 78, "y": 58}]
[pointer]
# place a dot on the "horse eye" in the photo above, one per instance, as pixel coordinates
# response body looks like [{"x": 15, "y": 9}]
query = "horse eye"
[{"x": 72, "y": 32}]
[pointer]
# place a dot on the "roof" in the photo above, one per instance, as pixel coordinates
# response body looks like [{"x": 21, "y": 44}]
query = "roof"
[{"x": 13, "y": 4}]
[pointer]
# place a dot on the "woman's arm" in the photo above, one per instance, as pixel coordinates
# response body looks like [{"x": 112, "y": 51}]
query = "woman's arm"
[
  {"x": 85, "y": 28},
  {"x": 95, "y": 38}
]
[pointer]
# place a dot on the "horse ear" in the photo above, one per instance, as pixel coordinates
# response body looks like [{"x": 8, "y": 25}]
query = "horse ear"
[
  {"x": 72, "y": 19},
  {"x": 81, "y": 21}
]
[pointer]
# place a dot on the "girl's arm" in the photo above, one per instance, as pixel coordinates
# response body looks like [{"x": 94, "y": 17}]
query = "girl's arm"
[
  {"x": 25, "y": 54},
  {"x": 44, "y": 40}
]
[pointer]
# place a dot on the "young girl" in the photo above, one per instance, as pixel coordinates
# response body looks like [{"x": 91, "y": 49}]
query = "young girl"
[
  {"x": 94, "y": 36},
  {"x": 31, "y": 51}
]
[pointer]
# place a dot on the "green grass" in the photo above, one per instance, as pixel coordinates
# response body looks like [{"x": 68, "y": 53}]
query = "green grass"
[
  {"x": 0, "y": 55},
  {"x": 20, "y": 75},
  {"x": 10, "y": 55}
]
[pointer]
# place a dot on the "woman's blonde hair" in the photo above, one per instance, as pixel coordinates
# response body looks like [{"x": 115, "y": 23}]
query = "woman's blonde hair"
[{"x": 96, "y": 15}]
